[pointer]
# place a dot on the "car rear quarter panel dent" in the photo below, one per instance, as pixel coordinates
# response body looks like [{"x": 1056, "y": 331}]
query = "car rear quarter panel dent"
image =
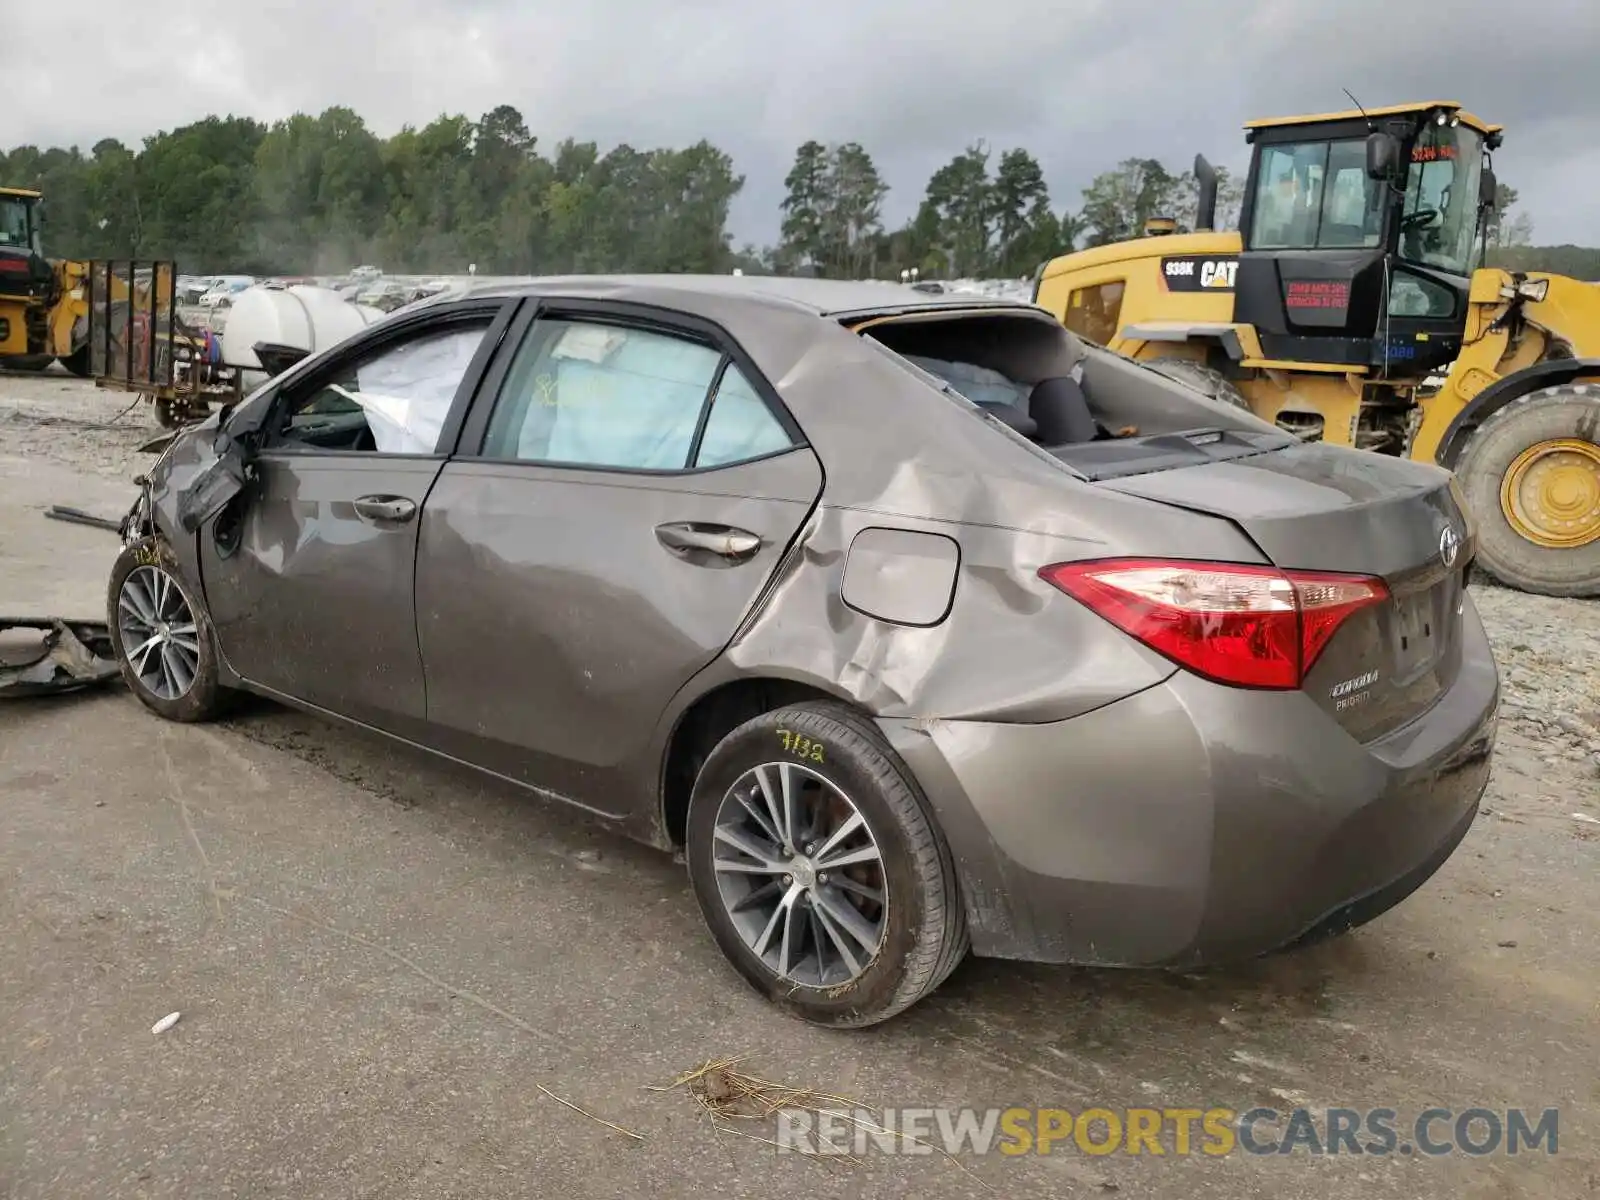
[
  {"x": 1010, "y": 649},
  {"x": 1066, "y": 853},
  {"x": 897, "y": 454},
  {"x": 902, "y": 576}
]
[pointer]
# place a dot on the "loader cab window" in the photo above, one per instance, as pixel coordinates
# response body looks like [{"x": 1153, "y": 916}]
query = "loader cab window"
[
  {"x": 1095, "y": 313},
  {"x": 1316, "y": 196},
  {"x": 1440, "y": 222},
  {"x": 18, "y": 227}
]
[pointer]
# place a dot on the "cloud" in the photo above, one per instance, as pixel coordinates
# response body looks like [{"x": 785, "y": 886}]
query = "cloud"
[{"x": 1081, "y": 83}]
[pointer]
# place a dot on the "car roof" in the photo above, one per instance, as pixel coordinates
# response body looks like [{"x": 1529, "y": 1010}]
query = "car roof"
[{"x": 824, "y": 297}]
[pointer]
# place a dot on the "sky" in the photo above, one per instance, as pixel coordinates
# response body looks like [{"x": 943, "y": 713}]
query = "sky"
[{"x": 1080, "y": 83}]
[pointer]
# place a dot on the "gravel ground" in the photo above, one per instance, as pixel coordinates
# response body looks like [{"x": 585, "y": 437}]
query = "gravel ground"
[{"x": 1549, "y": 649}]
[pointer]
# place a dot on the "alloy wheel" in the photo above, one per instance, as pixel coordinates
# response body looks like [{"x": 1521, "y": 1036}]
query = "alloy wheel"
[
  {"x": 800, "y": 875},
  {"x": 160, "y": 638}
]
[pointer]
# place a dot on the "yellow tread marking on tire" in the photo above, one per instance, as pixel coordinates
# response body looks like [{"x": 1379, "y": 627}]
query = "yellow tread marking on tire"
[{"x": 801, "y": 746}]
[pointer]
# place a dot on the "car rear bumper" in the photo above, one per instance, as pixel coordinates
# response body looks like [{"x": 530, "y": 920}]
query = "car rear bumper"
[{"x": 1192, "y": 823}]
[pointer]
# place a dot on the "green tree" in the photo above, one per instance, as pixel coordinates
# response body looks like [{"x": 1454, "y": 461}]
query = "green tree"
[
  {"x": 1186, "y": 200},
  {"x": 960, "y": 192},
  {"x": 1505, "y": 231},
  {"x": 805, "y": 204},
  {"x": 1070, "y": 229},
  {"x": 852, "y": 217},
  {"x": 1578, "y": 262},
  {"x": 1118, "y": 202},
  {"x": 319, "y": 191},
  {"x": 196, "y": 193},
  {"x": 114, "y": 218},
  {"x": 697, "y": 186},
  {"x": 1021, "y": 211},
  {"x": 428, "y": 182}
]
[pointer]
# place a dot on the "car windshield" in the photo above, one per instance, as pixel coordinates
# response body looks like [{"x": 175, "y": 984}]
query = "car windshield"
[
  {"x": 1441, "y": 214},
  {"x": 17, "y": 226}
]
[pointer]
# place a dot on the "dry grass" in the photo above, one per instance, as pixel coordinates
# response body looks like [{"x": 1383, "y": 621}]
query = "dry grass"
[{"x": 728, "y": 1095}]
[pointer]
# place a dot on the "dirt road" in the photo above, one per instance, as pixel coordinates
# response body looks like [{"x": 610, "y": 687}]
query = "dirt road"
[{"x": 388, "y": 974}]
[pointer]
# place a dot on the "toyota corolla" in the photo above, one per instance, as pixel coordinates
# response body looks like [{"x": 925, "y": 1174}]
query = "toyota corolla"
[{"x": 917, "y": 623}]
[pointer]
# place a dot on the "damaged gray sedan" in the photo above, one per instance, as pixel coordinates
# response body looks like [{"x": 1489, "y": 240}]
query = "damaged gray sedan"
[{"x": 918, "y": 624}]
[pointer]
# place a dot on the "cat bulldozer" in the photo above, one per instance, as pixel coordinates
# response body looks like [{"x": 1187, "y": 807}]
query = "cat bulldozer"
[
  {"x": 44, "y": 312},
  {"x": 1349, "y": 307}
]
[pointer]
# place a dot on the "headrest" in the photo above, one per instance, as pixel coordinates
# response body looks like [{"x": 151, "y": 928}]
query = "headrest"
[{"x": 1061, "y": 412}]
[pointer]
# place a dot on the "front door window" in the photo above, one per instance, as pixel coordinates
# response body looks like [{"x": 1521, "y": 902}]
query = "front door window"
[{"x": 393, "y": 402}]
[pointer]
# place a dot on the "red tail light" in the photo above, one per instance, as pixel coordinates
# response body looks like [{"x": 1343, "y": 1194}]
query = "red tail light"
[{"x": 1247, "y": 626}]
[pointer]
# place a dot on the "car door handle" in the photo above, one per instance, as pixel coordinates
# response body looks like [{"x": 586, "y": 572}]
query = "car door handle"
[
  {"x": 385, "y": 508},
  {"x": 694, "y": 538}
]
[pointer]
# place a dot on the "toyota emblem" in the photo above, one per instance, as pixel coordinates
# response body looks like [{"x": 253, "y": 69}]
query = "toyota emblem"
[{"x": 1449, "y": 546}]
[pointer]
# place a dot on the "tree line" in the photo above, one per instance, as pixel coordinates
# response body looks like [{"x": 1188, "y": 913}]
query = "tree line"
[{"x": 321, "y": 194}]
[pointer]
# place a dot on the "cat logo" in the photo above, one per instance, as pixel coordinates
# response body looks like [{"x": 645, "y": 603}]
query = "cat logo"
[{"x": 1200, "y": 273}]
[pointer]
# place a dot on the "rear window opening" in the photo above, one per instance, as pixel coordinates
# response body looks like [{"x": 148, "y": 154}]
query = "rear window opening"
[{"x": 1100, "y": 414}]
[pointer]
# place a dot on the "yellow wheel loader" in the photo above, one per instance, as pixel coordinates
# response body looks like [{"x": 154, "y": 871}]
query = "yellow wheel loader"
[
  {"x": 1347, "y": 309},
  {"x": 44, "y": 312}
]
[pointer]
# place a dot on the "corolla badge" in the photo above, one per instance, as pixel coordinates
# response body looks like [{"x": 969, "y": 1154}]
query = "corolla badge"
[{"x": 1449, "y": 546}]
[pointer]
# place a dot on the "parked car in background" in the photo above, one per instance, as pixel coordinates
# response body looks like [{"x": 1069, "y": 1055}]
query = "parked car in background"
[
  {"x": 190, "y": 288},
  {"x": 224, "y": 288},
  {"x": 386, "y": 295},
  {"x": 917, "y": 623}
]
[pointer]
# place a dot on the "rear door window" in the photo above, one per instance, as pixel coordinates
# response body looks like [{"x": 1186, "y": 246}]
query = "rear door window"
[
  {"x": 593, "y": 394},
  {"x": 740, "y": 426}
]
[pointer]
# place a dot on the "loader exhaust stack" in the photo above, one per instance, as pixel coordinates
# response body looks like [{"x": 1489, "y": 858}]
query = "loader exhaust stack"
[{"x": 1205, "y": 217}]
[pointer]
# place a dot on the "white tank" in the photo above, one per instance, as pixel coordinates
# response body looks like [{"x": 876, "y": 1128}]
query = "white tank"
[{"x": 311, "y": 318}]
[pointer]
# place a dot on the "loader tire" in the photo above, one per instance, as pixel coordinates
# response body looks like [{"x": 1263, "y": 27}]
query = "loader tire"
[
  {"x": 27, "y": 362},
  {"x": 78, "y": 362},
  {"x": 1531, "y": 478},
  {"x": 1200, "y": 377}
]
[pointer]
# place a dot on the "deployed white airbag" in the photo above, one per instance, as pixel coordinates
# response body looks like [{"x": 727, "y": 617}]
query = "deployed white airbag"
[{"x": 406, "y": 394}]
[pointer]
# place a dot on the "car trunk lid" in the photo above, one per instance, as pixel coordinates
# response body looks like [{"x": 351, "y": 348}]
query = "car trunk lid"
[{"x": 1320, "y": 508}]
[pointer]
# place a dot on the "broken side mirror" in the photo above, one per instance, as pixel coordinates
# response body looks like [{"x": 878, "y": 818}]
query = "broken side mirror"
[
  {"x": 1383, "y": 155},
  {"x": 276, "y": 358},
  {"x": 223, "y": 479}
]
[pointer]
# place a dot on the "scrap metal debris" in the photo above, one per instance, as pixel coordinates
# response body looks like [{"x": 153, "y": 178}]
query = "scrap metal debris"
[
  {"x": 43, "y": 655},
  {"x": 60, "y": 512}
]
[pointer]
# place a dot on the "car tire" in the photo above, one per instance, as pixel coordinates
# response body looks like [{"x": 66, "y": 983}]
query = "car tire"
[
  {"x": 838, "y": 763},
  {"x": 1566, "y": 415},
  {"x": 177, "y": 678},
  {"x": 1206, "y": 380}
]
